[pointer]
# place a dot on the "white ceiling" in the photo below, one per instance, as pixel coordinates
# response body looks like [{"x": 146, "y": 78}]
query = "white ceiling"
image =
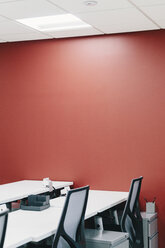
[{"x": 107, "y": 17}]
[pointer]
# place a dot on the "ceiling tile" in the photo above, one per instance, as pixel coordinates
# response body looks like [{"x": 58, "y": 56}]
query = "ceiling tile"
[
  {"x": 148, "y": 2},
  {"x": 6, "y": 1},
  {"x": 28, "y": 8},
  {"x": 24, "y": 37},
  {"x": 77, "y": 6},
  {"x": 3, "y": 19},
  {"x": 157, "y": 13},
  {"x": 73, "y": 33},
  {"x": 108, "y": 16},
  {"x": 123, "y": 20},
  {"x": 11, "y": 27}
]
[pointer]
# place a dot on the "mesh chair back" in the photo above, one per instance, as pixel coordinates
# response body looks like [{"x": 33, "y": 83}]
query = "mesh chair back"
[
  {"x": 131, "y": 221},
  {"x": 70, "y": 233},
  {"x": 3, "y": 225}
]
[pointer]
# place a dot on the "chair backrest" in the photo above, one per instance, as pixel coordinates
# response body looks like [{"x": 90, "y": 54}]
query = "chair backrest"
[
  {"x": 70, "y": 232},
  {"x": 3, "y": 225},
  {"x": 131, "y": 221}
]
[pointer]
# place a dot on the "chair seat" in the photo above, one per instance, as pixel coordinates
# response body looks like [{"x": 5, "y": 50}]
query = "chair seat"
[{"x": 106, "y": 239}]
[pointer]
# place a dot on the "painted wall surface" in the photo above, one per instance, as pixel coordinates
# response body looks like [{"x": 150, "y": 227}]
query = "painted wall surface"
[{"x": 89, "y": 110}]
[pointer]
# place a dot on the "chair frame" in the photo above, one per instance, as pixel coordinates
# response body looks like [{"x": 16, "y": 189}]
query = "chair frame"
[
  {"x": 80, "y": 237},
  {"x": 134, "y": 215},
  {"x": 5, "y": 213}
]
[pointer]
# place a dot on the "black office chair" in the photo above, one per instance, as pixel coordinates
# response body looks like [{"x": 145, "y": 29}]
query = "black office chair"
[
  {"x": 3, "y": 226},
  {"x": 131, "y": 221},
  {"x": 70, "y": 232}
]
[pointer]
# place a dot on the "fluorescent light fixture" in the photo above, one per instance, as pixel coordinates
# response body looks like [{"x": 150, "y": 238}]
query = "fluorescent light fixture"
[{"x": 55, "y": 23}]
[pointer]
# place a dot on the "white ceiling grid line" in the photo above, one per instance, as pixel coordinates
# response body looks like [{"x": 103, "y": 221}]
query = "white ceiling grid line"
[
  {"x": 145, "y": 14},
  {"x": 105, "y": 17}
]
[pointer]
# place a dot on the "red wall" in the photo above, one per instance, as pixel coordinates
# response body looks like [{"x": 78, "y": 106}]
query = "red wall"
[{"x": 89, "y": 110}]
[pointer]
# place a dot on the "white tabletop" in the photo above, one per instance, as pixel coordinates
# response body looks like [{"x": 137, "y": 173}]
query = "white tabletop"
[
  {"x": 16, "y": 233},
  {"x": 102, "y": 200},
  {"x": 98, "y": 201},
  {"x": 18, "y": 190},
  {"x": 59, "y": 203},
  {"x": 25, "y": 226}
]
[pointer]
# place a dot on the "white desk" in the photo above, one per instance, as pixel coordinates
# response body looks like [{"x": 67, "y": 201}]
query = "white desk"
[
  {"x": 18, "y": 190},
  {"x": 25, "y": 226},
  {"x": 98, "y": 201},
  {"x": 103, "y": 200}
]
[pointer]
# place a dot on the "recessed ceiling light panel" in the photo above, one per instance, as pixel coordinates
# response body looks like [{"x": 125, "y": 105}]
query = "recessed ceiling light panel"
[{"x": 54, "y": 23}]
